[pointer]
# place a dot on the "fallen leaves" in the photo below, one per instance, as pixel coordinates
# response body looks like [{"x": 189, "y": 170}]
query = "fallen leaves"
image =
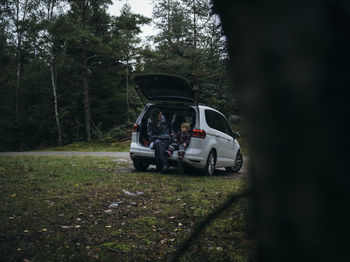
[
  {"x": 116, "y": 204},
  {"x": 132, "y": 194}
]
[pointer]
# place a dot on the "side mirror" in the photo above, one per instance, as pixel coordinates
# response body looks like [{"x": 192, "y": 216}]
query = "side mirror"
[{"x": 236, "y": 135}]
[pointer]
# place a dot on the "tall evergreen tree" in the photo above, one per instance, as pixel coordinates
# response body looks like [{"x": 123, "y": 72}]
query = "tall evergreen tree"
[
  {"x": 190, "y": 42},
  {"x": 125, "y": 39},
  {"x": 198, "y": 12},
  {"x": 90, "y": 20},
  {"x": 172, "y": 40},
  {"x": 17, "y": 28}
]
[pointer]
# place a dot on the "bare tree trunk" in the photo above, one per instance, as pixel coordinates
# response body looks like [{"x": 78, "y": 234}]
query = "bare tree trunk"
[
  {"x": 18, "y": 70},
  {"x": 50, "y": 8},
  {"x": 195, "y": 60},
  {"x": 85, "y": 78},
  {"x": 86, "y": 95},
  {"x": 55, "y": 104},
  {"x": 17, "y": 21},
  {"x": 194, "y": 25},
  {"x": 127, "y": 88},
  {"x": 168, "y": 21},
  {"x": 18, "y": 83}
]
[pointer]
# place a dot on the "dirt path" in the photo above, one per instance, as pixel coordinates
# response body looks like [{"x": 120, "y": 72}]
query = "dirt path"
[
  {"x": 119, "y": 155},
  {"x": 122, "y": 157}
]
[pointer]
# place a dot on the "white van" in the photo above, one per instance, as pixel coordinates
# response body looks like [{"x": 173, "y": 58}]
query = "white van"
[{"x": 213, "y": 143}]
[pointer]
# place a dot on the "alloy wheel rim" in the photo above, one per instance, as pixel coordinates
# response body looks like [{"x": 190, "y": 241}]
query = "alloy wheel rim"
[
  {"x": 238, "y": 162},
  {"x": 211, "y": 164}
]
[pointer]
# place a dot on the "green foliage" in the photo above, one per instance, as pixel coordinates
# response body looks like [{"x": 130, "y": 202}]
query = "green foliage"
[
  {"x": 188, "y": 42},
  {"x": 114, "y": 134},
  {"x": 56, "y": 40}
]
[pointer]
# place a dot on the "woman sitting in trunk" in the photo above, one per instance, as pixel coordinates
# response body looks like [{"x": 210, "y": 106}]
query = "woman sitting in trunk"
[{"x": 159, "y": 135}]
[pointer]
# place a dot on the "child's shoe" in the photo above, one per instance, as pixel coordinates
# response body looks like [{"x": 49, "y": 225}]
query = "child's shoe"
[
  {"x": 168, "y": 152},
  {"x": 151, "y": 145},
  {"x": 181, "y": 154}
]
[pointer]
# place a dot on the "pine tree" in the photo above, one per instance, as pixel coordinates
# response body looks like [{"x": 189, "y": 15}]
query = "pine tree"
[
  {"x": 190, "y": 43},
  {"x": 89, "y": 18},
  {"x": 125, "y": 32},
  {"x": 172, "y": 40}
]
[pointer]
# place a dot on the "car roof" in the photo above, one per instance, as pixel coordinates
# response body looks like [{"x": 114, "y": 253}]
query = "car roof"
[{"x": 201, "y": 106}]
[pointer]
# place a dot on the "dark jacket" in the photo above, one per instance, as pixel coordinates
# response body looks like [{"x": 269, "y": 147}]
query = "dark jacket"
[
  {"x": 182, "y": 137},
  {"x": 159, "y": 131}
]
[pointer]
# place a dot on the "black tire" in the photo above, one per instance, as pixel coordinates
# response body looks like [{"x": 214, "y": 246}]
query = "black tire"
[
  {"x": 209, "y": 169},
  {"x": 140, "y": 165},
  {"x": 237, "y": 165}
]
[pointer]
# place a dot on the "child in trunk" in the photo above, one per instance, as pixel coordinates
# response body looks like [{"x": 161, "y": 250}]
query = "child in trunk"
[{"x": 180, "y": 141}]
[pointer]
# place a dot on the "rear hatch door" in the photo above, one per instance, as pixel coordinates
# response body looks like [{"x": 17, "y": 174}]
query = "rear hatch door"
[{"x": 165, "y": 88}]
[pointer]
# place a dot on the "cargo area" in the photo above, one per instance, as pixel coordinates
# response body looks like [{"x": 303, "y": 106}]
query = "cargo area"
[{"x": 175, "y": 116}]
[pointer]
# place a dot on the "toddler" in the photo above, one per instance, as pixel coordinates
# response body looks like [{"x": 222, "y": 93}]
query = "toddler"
[{"x": 180, "y": 141}]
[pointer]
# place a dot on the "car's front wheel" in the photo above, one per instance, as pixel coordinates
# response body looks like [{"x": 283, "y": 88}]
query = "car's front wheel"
[
  {"x": 209, "y": 168},
  {"x": 140, "y": 165},
  {"x": 237, "y": 165}
]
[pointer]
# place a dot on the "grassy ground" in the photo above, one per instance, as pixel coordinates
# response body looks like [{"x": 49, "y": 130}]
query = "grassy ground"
[
  {"x": 57, "y": 209},
  {"x": 92, "y": 147}
]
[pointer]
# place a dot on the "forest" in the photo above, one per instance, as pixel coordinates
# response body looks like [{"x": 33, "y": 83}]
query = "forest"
[{"x": 66, "y": 67}]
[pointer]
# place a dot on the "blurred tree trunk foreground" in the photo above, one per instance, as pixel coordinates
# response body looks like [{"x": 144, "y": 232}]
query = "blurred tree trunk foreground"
[{"x": 290, "y": 62}]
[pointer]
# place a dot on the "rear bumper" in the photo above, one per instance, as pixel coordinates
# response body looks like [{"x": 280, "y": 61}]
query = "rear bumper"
[{"x": 193, "y": 157}]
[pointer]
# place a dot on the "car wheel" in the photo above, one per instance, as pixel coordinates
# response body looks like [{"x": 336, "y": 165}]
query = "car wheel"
[
  {"x": 237, "y": 165},
  {"x": 140, "y": 165},
  {"x": 209, "y": 168}
]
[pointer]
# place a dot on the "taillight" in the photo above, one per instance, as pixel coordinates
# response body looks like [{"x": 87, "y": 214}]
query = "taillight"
[
  {"x": 135, "y": 128},
  {"x": 199, "y": 133}
]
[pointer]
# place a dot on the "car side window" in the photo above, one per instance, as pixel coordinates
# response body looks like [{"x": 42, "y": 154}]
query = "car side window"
[
  {"x": 220, "y": 122},
  {"x": 216, "y": 121},
  {"x": 209, "y": 118},
  {"x": 228, "y": 128}
]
